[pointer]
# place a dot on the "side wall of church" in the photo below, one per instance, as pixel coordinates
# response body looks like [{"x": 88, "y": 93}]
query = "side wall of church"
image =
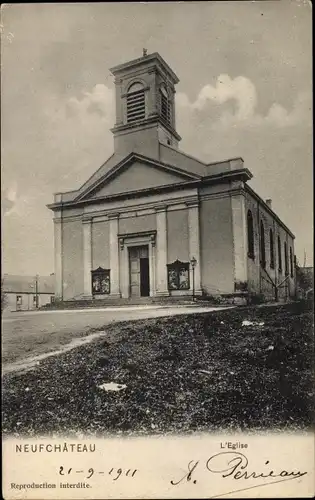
[
  {"x": 72, "y": 243},
  {"x": 257, "y": 277},
  {"x": 216, "y": 240},
  {"x": 177, "y": 236}
]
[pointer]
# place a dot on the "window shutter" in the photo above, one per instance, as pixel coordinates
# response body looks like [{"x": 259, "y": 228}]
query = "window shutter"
[{"x": 135, "y": 104}]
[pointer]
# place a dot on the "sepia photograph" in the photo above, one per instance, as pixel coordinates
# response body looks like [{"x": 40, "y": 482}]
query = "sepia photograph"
[{"x": 157, "y": 241}]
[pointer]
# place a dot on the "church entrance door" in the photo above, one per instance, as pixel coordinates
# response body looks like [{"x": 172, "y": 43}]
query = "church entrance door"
[{"x": 139, "y": 271}]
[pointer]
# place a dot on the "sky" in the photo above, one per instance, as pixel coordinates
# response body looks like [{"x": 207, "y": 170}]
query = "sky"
[{"x": 245, "y": 90}]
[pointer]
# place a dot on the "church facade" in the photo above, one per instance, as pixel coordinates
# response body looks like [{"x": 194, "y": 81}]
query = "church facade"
[{"x": 153, "y": 221}]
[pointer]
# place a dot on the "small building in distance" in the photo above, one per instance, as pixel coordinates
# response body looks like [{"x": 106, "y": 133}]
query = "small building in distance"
[
  {"x": 153, "y": 221},
  {"x": 21, "y": 293}
]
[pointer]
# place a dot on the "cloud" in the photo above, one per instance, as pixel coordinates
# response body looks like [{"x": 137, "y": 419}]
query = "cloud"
[
  {"x": 301, "y": 112},
  {"x": 12, "y": 204},
  {"x": 76, "y": 137},
  {"x": 6, "y": 206},
  {"x": 9, "y": 199},
  {"x": 99, "y": 101},
  {"x": 242, "y": 92},
  {"x": 12, "y": 192}
]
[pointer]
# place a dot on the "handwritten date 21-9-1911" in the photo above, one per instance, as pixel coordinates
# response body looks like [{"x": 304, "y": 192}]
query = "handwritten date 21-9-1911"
[{"x": 115, "y": 473}]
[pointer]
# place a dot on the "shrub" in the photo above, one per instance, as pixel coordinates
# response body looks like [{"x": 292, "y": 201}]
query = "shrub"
[
  {"x": 215, "y": 299},
  {"x": 304, "y": 305},
  {"x": 256, "y": 298}
]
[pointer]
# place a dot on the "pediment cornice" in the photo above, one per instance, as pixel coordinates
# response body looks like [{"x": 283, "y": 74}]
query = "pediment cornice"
[{"x": 128, "y": 161}]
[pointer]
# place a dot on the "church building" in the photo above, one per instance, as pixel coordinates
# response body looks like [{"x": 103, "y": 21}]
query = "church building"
[{"x": 153, "y": 221}]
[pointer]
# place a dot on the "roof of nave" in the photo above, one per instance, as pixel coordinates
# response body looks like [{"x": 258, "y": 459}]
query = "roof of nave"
[
  {"x": 263, "y": 203},
  {"x": 169, "y": 157}
]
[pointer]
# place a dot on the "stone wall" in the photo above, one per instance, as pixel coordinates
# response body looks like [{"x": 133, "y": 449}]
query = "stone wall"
[
  {"x": 216, "y": 240},
  {"x": 137, "y": 224},
  {"x": 100, "y": 244},
  {"x": 72, "y": 252},
  {"x": 258, "y": 278},
  {"x": 177, "y": 236}
]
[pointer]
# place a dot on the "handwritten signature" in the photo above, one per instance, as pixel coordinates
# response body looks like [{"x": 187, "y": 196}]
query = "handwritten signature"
[{"x": 235, "y": 465}]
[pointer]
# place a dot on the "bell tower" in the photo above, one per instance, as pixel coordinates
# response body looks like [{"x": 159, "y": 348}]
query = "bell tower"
[{"x": 145, "y": 105}]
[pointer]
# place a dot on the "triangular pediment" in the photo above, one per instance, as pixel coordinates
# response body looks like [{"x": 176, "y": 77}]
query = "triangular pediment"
[{"x": 136, "y": 173}]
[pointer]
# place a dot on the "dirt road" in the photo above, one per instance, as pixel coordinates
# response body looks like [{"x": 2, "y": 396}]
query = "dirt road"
[{"x": 28, "y": 334}]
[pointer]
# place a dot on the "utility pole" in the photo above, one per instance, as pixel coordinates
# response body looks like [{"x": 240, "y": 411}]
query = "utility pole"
[
  {"x": 36, "y": 291},
  {"x": 193, "y": 262}
]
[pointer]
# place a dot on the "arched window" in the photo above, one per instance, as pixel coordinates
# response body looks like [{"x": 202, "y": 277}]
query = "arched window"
[
  {"x": 279, "y": 255},
  {"x": 286, "y": 264},
  {"x": 262, "y": 245},
  {"x": 291, "y": 263},
  {"x": 250, "y": 235},
  {"x": 272, "y": 251},
  {"x": 135, "y": 103},
  {"x": 166, "y": 110}
]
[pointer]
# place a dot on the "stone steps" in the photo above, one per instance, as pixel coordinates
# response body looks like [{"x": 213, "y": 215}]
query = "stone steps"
[{"x": 114, "y": 302}]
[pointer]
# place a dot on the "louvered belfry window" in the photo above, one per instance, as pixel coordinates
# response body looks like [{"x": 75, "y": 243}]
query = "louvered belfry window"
[
  {"x": 165, "y": 104},
  {"x": 135, "y": 103}
]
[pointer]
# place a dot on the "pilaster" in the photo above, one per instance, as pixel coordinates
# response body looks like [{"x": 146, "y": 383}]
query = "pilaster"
[
  {"x": 119, "y": 102},
  {"x": 58, "y": 259},
  {"x": 239, "y": 222},
  {"x": 161, "y": 257},
  {"x": 152, "y": 265},
  {"x": 124, "y": 269},
  {"x": 194, "y": 244},
  {"x": 87, "y": 257},
  {"x": 114, "y": 255},
  {"x": 152, "y": 94}
]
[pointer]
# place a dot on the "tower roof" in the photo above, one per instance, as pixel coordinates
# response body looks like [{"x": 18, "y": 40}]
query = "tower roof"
[{"x": 147, "y": 59}]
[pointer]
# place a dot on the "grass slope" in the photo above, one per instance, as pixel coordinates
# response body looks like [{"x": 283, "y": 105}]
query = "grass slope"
[{"x": 201, "y": 372}]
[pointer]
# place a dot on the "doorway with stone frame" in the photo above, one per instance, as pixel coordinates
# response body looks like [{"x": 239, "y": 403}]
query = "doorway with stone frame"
[
  {"x": 139, "y": 273},
  {"x": 137, "y": 264}
]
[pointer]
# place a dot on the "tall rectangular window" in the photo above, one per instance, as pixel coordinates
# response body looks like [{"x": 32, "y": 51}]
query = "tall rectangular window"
[
  {"x": 291, "y": 263},
  {"x": 279, "y": 255},
  {"x": 286, "y": 264},
  {"x": 250, "y": 235},
  {"x": 262, "y": 245},
  {"x": 272, "y": 253}
]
